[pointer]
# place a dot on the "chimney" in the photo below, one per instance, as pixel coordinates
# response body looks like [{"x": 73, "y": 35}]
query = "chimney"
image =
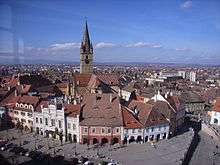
[{"x": 16, "y": 93}]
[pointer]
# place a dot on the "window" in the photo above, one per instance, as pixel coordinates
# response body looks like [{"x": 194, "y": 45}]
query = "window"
[
  {"x": 103, "y": 130},
  {"x": 117, "y": 130},
  {"x": 159, "y": 128},
  {"x": 29, "y": 114},
  {"x": 41, "y": 120},
  {"x": 93, "y": 130},
  {"x": 139, "y": 130},
  {"x": 74, "y": 126},
  {"x": 147, "y": 130},
  {"x": 85, "y": 130},
  {"x": 133, "y": 130},
  {"x": 68, "y": 125},
  {"x": 46, "y": 121},
  {"x": 60, "y": 124},
  {"x": 16, "y": 112},
  {"x": 23, "y": 120},
  {"x": 29, "y": 121},
  {"x": 36, "y": 120},
  {"x": 109, "y": 130},
  {"x": 22, "y": 113},
  {"x": 152, "y": 129},
  {"x": 52, "y": 122}
]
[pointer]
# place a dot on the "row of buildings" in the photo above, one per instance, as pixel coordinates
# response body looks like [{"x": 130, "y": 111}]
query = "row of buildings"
[{"x": 97, "y": 113}]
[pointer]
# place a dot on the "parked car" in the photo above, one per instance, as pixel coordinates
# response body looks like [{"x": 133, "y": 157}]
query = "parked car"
[
  {"x": 88, "y": 163},
  {"x": 102, "y": 162},
  {"x": 7, "y": 146},
  {"x": 35, "y": 154},
  {"x": 24, "y": 151},
  {"x": 83, "y": 159},
  {"x": 3, "y": 143},
  {"x": 25, "y": 142},
  {"x": 18, "y": 150}
]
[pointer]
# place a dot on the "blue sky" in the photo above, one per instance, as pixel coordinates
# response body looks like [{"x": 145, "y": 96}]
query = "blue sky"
[{"x": 177, "y": 31}]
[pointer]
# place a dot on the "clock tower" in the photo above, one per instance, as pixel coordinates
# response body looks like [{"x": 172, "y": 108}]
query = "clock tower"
[{"x": 86, "y": 53}]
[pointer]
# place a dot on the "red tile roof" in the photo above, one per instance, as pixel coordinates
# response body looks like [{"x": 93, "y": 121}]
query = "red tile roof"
[
  {"x": 129, "y": 120},
  {"x": 82, "y": 80},
  {"x": 109, "y": 79},
  {"x": 174, "y": 101},
  {"x": 98, "y": 110},
  {"x": 146, "y": 114},
  {"x": 72, "y": 110},
  {"x": 33, "y": 100},
  {"x": 216, "y": 107}
]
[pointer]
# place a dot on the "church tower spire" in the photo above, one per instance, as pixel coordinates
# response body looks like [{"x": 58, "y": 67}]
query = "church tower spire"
[{"x": 86, "y": 53}]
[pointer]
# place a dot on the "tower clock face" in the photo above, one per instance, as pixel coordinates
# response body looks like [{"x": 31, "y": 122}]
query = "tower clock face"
[{"x": 86, "y": 61}]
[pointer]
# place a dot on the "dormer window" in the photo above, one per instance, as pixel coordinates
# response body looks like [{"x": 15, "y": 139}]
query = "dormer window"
[
  {"x": 31, "y": 107},
  {"x": 17, "y": 105},
  {"x": 21, "y": 105},
  {"x": 26, "y": 106}
]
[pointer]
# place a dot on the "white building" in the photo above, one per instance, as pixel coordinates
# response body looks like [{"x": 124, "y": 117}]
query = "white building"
[
  {"x": 23, "y": 111},
  {"x": 143, "y": 124},
  {"x": 72, "y": 113},
  {"x": 182, "y": 73},
  {"x": 49, "y": 118},
  {"x": 215, "y": 114},
  {"x": 192, "y": 76}
]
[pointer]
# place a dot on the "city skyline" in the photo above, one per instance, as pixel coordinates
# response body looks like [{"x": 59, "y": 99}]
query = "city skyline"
[{"x": 148, "y": 32}]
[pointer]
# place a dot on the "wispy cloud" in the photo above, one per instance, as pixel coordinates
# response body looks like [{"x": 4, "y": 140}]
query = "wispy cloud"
[
  {"x": 186, "y": 5},
  {"x": 143, "y": 44},
  {"x": 104, "y": 45},
  {"x": 183, "y": 49},
  {"x": 71, "y": 45}
]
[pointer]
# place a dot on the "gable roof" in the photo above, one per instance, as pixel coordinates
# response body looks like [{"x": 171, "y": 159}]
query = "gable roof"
[
  {"x": 98, "y": 110},
  {"x": 147, "y": 115},
  {"x": 129, "y": 120}
]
